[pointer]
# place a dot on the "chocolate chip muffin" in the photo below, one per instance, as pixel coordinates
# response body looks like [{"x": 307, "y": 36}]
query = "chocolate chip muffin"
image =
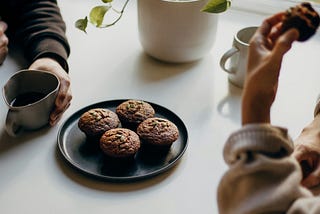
[
  {"x": 302, "y": 17},
  {"x": 157, "y": 133},
  {"x": 96, "y": 121},
  {"x": 132, "y": 112},
  {"x": 120, "y": 143}
]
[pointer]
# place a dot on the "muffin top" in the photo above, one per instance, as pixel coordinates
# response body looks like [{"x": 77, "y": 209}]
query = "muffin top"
[
  {"x": 302, "y": 17},
  {"x": 158, "y": 131},
  {"x": 134, "y": 111},
  {"x": 96, "y": 121},
  {"x": 120, "y": 143}
]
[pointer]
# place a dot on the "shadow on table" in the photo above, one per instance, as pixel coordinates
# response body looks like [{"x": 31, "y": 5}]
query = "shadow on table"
[
  {"x": 14, "y": 62},
  {"x": 230, "y": 105},
  {"x": 105, "y": 185},
  {"x": 7, "y": 142},
  {"x": 161, "y": 70}
]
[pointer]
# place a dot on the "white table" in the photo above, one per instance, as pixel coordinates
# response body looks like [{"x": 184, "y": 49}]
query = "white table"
[{"x": 110, "y": 64}]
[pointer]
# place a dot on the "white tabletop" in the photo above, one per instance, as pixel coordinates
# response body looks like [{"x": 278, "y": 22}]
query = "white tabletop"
[{"x": 110, "y": 64}]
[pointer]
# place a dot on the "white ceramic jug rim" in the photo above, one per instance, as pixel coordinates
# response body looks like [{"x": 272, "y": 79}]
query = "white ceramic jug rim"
[
  {"x": 28, "y": 70},
  {"x": 181, "y": 1},
  {"x": 237, "y": 36}
]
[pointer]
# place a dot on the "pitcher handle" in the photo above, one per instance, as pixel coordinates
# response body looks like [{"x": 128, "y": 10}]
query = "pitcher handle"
[{"x": 11, "y": 127}]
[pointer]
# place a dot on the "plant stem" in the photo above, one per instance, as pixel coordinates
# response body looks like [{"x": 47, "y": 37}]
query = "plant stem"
[{"x": 121, "y": 13}]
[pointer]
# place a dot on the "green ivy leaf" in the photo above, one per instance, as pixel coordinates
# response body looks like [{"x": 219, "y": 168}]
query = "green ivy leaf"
[
  {"x": 106, "y": 1},
  {"x": 97, "y": 14},
  {"x": 217, "y": 6},
  {"x": 82, "y": 24}
]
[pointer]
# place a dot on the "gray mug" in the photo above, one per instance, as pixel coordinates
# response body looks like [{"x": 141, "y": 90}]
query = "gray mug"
[
  {"x": 238, "y": 56},
  {"x": 30, "y": 96}
]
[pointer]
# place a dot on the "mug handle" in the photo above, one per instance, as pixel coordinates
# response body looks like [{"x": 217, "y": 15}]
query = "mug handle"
[
  {"x": 225, "y": 57},
  {"x": 11, "y": 127}
]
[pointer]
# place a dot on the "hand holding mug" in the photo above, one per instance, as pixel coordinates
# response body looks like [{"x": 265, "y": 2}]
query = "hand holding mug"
[
  {"x": 64, "y": 96},
  {"x": 30, "y": 96},
  {"x": 3, "y": 42}
]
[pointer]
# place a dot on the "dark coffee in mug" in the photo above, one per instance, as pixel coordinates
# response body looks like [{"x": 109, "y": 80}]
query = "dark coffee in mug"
[{"x": 27, "y": 98}]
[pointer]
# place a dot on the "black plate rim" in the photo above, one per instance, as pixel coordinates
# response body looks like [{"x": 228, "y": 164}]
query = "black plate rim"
[{"x": 181, "y": 126}]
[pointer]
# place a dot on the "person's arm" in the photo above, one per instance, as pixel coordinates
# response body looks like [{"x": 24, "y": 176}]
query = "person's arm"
[
  {"x": 263, "y": 177},
  {"x": 37, "y": 25},
  {"x": 265, "y": 56}
]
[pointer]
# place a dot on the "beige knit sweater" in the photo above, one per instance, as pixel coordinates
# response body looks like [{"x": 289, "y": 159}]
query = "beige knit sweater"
[{"x": 262, "y": 176}]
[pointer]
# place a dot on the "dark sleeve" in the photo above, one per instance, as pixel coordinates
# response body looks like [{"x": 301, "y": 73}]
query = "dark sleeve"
[{"x": 38, "y": 26}]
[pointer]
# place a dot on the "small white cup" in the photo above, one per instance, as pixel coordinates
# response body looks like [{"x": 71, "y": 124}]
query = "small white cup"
[{"x": 238, "y": 56}]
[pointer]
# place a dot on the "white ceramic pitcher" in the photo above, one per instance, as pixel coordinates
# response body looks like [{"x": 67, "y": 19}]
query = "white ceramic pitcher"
[
  {"x": 176, "y": 30},
  {"x": 29, "y": 96}
]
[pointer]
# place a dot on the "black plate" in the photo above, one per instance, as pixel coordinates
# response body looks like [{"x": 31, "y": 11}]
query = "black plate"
[{"x": 72, "y": 144}]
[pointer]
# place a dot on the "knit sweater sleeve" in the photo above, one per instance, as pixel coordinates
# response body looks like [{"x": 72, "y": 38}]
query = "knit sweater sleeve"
[
  {"x": 39, "y": 27},
  {"x": 262, "y": 176}
]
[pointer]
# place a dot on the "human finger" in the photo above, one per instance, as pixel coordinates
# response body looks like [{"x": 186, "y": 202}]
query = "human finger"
[
  {"x": 275, "y": 32},
  {"x": 62, "y": 103},
  {"x": 298, "y": 153},
  {"x": 310, "y": 165},
  {"x": 260, "y": 41},
  {"x": 269, "y": 23},
  {"x": 284, "y": 43},
  {"x": 4, "y": 41},
  {"x": 3, "y": 27},
  {"x": 313, "y": 178},
  {"x": 56, "y": 120},
  {"x": 304, "y": 154},
  {"x": 56, "y": 115},
  {"x": 3, "y": 54}
]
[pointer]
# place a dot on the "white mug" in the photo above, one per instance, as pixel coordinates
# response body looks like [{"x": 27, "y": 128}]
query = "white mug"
[{"x": 238, "y": 56}]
